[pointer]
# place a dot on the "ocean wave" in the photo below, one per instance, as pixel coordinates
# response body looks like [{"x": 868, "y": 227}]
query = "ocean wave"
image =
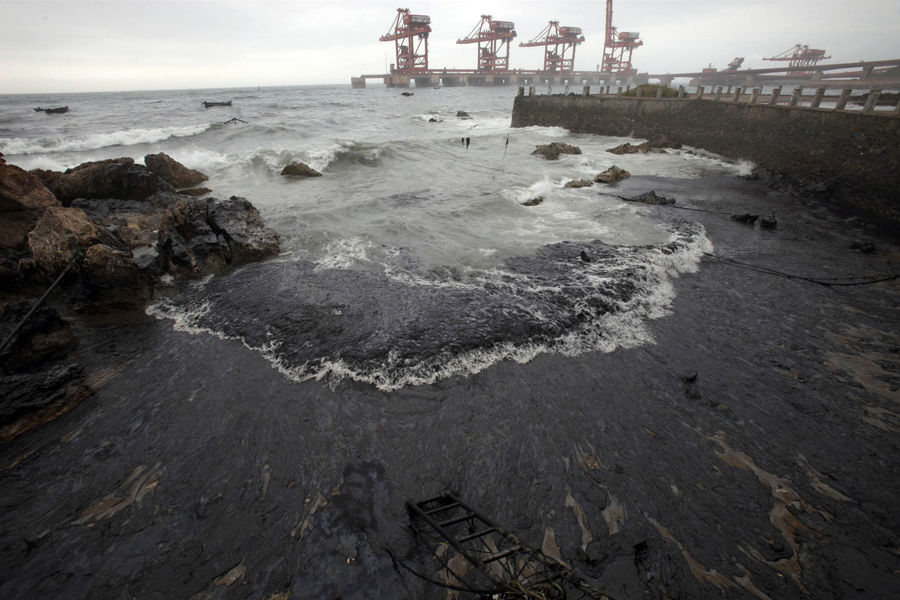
[
  {"x": 320, "y": 159},
  {"x": 365, "y": 325},
  {"x": 94, "y": 141}
]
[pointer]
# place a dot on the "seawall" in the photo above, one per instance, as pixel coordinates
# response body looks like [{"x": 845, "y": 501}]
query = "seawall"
[{"x": 854, "y": 155}]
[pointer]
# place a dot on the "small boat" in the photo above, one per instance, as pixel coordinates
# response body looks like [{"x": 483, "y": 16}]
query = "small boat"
[
  {"x": 407, "y": 93},
  {"x": 208, "y": 104},
  {"x": 53, "y": 111}
]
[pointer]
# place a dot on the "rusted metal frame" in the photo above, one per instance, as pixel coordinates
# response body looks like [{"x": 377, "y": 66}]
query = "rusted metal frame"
[{"x": 451, "y": 539}]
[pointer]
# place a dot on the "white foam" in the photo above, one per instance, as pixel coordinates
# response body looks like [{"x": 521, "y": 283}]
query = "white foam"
[
  {"x": 205, "y": 161},
  {"x": 344, "y": 253},
  {"x": 94, "y": 141}
]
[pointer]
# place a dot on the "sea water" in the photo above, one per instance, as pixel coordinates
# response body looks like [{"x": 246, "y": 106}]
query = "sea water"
[{"x": 414, "y": 257}]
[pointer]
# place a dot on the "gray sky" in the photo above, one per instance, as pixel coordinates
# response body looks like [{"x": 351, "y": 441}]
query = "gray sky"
[{"x": 98, "y": 45}]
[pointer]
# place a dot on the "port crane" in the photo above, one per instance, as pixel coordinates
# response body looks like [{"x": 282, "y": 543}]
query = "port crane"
[
  {"x": 800, "y": 58},
  {"x": 410, "y": 36},
  {"x": 559, "y": 43},
  {"x": 493, "y": 39},
  {"x": 618, "y": 46}
]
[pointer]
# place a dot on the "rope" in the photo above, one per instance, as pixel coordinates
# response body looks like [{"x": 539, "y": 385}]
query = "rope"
[
  {"x": 826, "y": 281},
  {"x": 40, "y": 301}
]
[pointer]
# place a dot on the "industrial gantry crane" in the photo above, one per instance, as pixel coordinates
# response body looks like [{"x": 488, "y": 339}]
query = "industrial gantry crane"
[
  {"x": 559, "y": 43},
  {"x": 493, "y": 39},
  {"x": 409, "y": 34},
  {"x": 800, "y": 58},
  {"x": 618, "y": 46}
]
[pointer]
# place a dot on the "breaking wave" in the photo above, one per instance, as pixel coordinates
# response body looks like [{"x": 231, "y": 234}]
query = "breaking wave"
[
  {"x": 393, "y": 327},
  {"x": 94, "y": 141}
]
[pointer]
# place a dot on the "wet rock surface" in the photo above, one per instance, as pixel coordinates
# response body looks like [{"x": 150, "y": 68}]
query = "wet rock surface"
[
  {"x": 115, "y": 178},
  {"x": 749, "y": 452},
  {"x": 579, "y": 183},
  {"x": 657, "y": 144},
  {"x": 650, "y": 197},
  {"x": 553, "y": 150},
  {"x": 612, "y": 175},
  {"x": 300, "y": 170},
  {"x": 172, "y": 171}
]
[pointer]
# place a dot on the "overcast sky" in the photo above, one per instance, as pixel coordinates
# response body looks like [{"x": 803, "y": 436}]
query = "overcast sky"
[{"x": 98, "y": 45}]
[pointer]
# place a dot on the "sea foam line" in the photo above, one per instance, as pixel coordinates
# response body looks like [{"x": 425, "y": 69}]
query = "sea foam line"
[{"x": 94, "y": 141}]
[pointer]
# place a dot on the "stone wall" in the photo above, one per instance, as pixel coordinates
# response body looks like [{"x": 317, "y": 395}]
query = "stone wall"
[{"x": 856, "y": 155}]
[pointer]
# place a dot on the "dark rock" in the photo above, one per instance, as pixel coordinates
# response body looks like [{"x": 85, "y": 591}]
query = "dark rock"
[
  {"x": 612, "y": 175},
  {"x": 746, "y": 218},
  {"x": 23, "y": 198},
  {"x": 298, "y": 169},
  {"x": 247, "y": 236},
  {"x": 585, "y": 257},
  {"x": 553, "y": 150},
  {"x": 44, "y": 335},
  {"x": 658, "y": 144},
  {"x": 31, "y": 399},
  {"x": 108, "y": 280},
  {"x": 534, "y": 201},
  {"x": 134, "y": 223},
  {"x": 434, "y": 120},
  {"x": 651, "y": 198},
  {"x": 115, "y": 178},
  {"x": 769, "y": 222},
  {"x": 461, "y": 114},
  {"x": 201, "y": 237},
  {"x": 173, "y": 171},
  {"x": 187, "y": 243},
  {"x": 579, "y": 183}
]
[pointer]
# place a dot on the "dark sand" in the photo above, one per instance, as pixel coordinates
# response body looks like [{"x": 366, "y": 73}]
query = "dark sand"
[{"x": 773, "y": 474}]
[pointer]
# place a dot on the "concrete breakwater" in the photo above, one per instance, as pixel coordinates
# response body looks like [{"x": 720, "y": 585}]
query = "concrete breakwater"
[{"x": 854, "y": 155}]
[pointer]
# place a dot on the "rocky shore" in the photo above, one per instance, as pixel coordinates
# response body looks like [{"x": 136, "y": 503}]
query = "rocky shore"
[
  {"x": 105, "y": 238},
  {"x": 748, "y": 452}
]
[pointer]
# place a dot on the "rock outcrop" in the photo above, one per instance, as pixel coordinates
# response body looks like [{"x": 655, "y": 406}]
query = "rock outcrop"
[
  {"x": 126, "y": 226},
  {"x": 553, "y": 150},
  {"x": 202, "y": 237},
  {"x": 173, "y": 172},
  {"x": 579, "y": 183},
  {"x": 298, "y": 169},
  {"x": 650, "y": 198},
  {"x": 23, "y": 198},
  {"x": 116, "y": 178},
  {"x": 658, "y": 144},
  {"x": 58, "y": 234},
  {"x": 612, "y": 175}
]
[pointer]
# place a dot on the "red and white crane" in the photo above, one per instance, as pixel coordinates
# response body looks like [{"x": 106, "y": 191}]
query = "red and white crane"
[
  {"x": 618, "y": 46},
  {"x": 410, "y": 34},
  {"x": 559, "y": 43},
  {"x": 493, "y": 39}
]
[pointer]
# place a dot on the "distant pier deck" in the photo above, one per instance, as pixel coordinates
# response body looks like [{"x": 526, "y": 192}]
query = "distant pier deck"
[{"x": 878, "y": 74}]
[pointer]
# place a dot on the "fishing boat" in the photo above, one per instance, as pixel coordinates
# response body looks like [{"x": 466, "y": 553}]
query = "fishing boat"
[
  {"x": 53, "y": 111},
  {"x": 208, "y": 104}
]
